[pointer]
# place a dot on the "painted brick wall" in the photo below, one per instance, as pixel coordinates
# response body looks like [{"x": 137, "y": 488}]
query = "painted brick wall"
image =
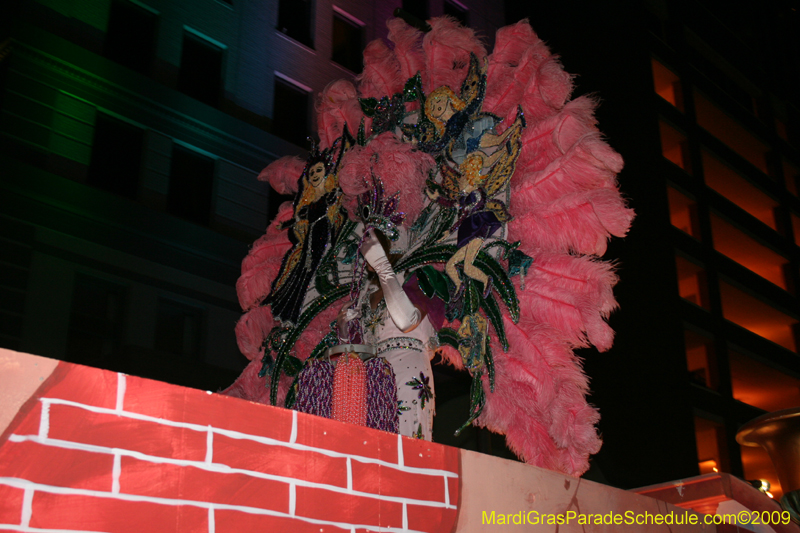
[{"x": 97, "y": 451}]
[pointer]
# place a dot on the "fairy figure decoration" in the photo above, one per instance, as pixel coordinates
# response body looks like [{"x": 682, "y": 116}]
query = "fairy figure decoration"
[
  {"x": 318, "y": 216},
  {"x": 498, "y": 259}
]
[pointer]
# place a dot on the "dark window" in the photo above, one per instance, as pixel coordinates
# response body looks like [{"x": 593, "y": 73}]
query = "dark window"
[
  {"x": 417, "y": 8},
  {"x": 96, "y": 320},
  {"x": 131, "y": 36},
  {"x": 457, "y": 12},
  {"x": 348, "y": 43},
  {"x": 116, "y": 156},
  {"x": 191, "y": 184},
  {"x": 200, "y": 75},
  {"x": 178, "y": 329},
  {"x": 290, "y": 112},
  {"x": 294, "y": 20}
]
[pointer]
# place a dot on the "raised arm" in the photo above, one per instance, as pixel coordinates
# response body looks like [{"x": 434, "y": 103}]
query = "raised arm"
[{"x": 405, "y": 314}]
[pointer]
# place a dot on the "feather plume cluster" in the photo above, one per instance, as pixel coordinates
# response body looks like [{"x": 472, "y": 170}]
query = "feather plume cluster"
[{"x": 565, "y": 205}]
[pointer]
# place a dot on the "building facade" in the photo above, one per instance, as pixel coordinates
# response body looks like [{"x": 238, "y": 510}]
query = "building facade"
[
  {"x": 131, "y": 136},
  {"x": 701, "y": 101}
]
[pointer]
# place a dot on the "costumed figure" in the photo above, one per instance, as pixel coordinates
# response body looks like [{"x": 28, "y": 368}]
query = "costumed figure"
[
  {"x": 314, "y": 227},
  {"x": 498, "y": 256}
]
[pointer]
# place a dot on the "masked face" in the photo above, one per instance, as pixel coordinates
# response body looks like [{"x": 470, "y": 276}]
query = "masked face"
[
  {"x": 439, "y": 106},
  {"x": 316, "y": 174}
]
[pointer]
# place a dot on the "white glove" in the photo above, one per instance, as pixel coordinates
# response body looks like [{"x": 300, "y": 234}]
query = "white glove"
[{"x": 405, "y": 314}]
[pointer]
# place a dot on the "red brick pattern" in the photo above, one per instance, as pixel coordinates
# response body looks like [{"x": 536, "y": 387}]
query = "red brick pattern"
[{"x": 106, "y": 452}]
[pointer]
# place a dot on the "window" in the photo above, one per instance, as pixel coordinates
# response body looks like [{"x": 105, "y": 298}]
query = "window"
[
  {"x": 348, "y": 43},
  {"x": 675, "y": 146},
  {"x": 757, "y": 316},
  {"x": 781, "y": 129},
  {"x": 416, "y": 8},
  {"x": 116, "y": 156},
  {"x": 457, "y": 11},
  {"x": 738, "y": 190},
  {"x": 96, "y": 320},
  {"x": 791, "y": 176},
  {"x": 711, "y": 450},
  {"x": 667, "y": 84},
  {"x": 683, "y": 213},
  {"x": 191, "y": 184},
  {"x": 700, "y": 359},
  {"x": 290, "y": 115},
  {"x": 131, "y": 36},
  {"x": 200, "y": 75},
  {"x": 178, "y": 329},
  {"x": 727, "y": 130},
  {"x": 762, "y": 386},
  {"x": 692, "y": 282},
  {"x": 796, "y": 228},
  {"x": 748, "y": 252},
  {"x": 294, "y": 20}
]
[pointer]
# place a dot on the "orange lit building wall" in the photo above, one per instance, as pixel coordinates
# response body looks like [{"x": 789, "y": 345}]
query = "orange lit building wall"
[
  {"x": 674, "y": 146},
  {"x": 762, "y": 386},
  {"x": 683, "y": 212},
  {"x": 710, "y": 456},
  {"x": 735, "y": 188},
  {"x": 756, "y": 316},
  {"x": 746, "y": 251},
  {"x": 791, "y": 174},
  {"x": 667, "y": 84},
  {"x": 724, "y": 128},
  {"x": 699, "y": 359},
  {"x": 692, "y": 285}
]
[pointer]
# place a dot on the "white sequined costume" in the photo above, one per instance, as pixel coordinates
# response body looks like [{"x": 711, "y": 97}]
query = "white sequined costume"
[{"x": 410, "y": 355}]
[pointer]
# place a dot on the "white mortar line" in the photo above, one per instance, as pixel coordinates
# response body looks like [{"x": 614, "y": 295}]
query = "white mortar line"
[
  {"x": 292, "y": 499},
  {"x": 405, "y": 517},
  {"x": 11, "y": 527},
  {"x": 261, "y": 440},
  {"x": 446, "y": 492},
  {"x": 218, "y": 468},
  {"x": 293, "y": 436},
  {"x": 44, "y": 420},
  {"x": 25, "y": 484},
  {"x": 210, "y": 445},
  {"x": 349, "y": 475},
  {"x": 400, "y": 461},
  {"x": 27, "y": 507},
  {"x": 211, "y": 525},
  {"x": 121, "y": 384},
  {"x": 115, "y": 473}
]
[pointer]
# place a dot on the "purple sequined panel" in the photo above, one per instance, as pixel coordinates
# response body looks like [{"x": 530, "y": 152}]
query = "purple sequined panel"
[
  {"x": 315, "y": 389},
  {"x": 381, "y": 396}
]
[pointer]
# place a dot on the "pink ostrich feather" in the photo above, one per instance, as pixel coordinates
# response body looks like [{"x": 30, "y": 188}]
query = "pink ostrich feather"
[
  {"x": 576, "y": 223},
  {"x": 577, "y": 170},
  {"x": 282, "y": 174},
  {"x": 517, "y": 54},
  {"x": 447, "y": 48},
  {"x": 399, "y": 165},
  {"x": 382, "y": 75},
  {"x": 408, "y": 51},
  {"x": 572, "y": 294},
  {"x": 263, "y": 262},
  {"x": 248, "y": 386},
  {"x": 539, "y": 401},
  {"x": 252, "y": 329},
  {"x": 338, "y": 106}
]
